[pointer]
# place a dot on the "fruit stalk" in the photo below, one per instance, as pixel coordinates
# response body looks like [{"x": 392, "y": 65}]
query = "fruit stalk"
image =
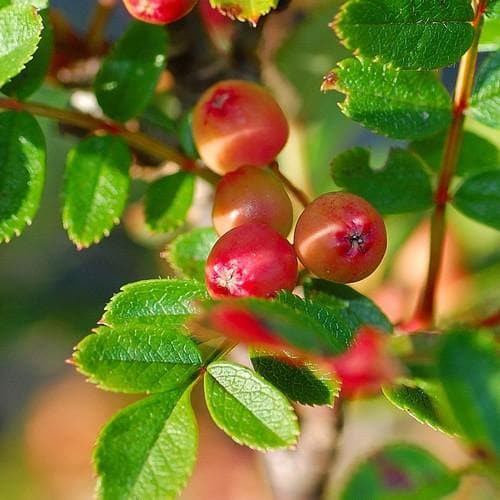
[{"x": 425, "y": 314}]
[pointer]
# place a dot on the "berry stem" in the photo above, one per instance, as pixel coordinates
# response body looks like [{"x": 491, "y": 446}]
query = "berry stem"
[
  {"x": 425, "y": 314},
  {"x": 136, "y": 140},
  {"x": 299, "y": 194},
  {"x": 97, "y": 26}
]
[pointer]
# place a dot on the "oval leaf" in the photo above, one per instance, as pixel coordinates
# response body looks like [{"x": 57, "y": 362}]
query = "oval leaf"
[
  {"x": 300, "y": 381},
  {"x": 147, "y": 450},
  {"x": 128, "y": 76},
  {"x": 22, "y": 171},
  {"x": 159, "y": 303},
  {"x": 168, "y": 201},
  {"x": 96, "y": 187},
  {"x": 479, "y": 198},
  {"x": 485, "y": 101},
  {"x": 428, "y": 34},
  {"x": 469, "y": 369},
  {"x": 401, "y": 185},
  {"x": 188, "y": 253},
  {"x": 20, "y": 28},
  {"x": 244, "y": 10},
  {"x": 400, "y": 471},
  {"x": 32, "y": 76},
  {"x": 399, "y": 104},
  {"x": 248, "y": 408},
  {"x": 133, "y": 359}
]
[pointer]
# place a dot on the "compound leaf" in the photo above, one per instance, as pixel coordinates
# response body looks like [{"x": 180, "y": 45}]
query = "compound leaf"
[
  {"x": 400, "y": 471},
  {"x": 96, "y": 185},
  {"x": 401, "y": 185},
  {"x": 248, "y": 408},
  {"x": 428, "y": 34},
  {"x": 399, "y": 104},
  {"x": 168, "y": 201},
  {"x": 128, "y": 76},
  {"x": 134, "y": 359},
  {"x": 148, "y": 450},
  {"x": 188, "y": 253},
  {"x": 22, "y": 171}
]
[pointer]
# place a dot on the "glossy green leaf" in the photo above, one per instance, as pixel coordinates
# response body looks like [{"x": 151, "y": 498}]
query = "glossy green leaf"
[
  {"x": 128, "y": 76},
  {"x": 400, "y": 471},
  {"x": 422, "y": 404},
  {"x": 401, "y": 185},
  {"x": 300, "y": 381},
  {"x": 22, "y": 171},
  {"x": 485, "y": 100},
  {"x": 161, "y": 303},
  {"x": 399, "y": 104},
  {"x": 361, "y": 309},
  {"x": 96, "y": 185},
  {"x": 244, "y": 10},
  {"x": 148, "y": 450},
  {"x": 425, "y": 35},
  {"x": 188, "y": 253},
  {"x": 32, "y": 76},
  {"x": 20, "y": 29},
  {"x": 478, "y": 197},
  {"x": 168, "y": 201},
  {"x": 477, "y": 154},
  {"x": 248, "y": 408},
  {"x": 469, "y": 369},
  {"x": 135, "y": 359}
]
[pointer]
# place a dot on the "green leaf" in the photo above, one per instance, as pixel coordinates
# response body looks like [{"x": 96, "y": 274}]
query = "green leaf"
[
  {"x": 161, "y": 303},
  {"x": 244, "y": 10},
  {"x": 421, "y": 404},
  {"x": 20, "y": 28},
  {"x": 361, "y": 310},
  {"x": 22, "y": 171},
  {"x": 485, "y": 100},
  {"x": 134, "y": 359},
  {"x": 428, "y": 34},
  {"x": 490, "y": 35},
  {"x": 300, "y": 381},
  {"x": 478, "y": 197},
  {"x": 400, "y": 471},
  {"x": 248, "y": 408},
  {"x": 477, "y": 154},
  {"x": 469, "y": 368},
  {"x": 32, "y": 76},
  {"x": 147, "y": 450},
  {"x": 96, "y": 185},
  {"x": 188, "y": 253},
  {"x": 185, "y": 135},
  {"x": 39, "y": 4},
  {"x": 168, "y": 200},
  {"x": 128, "y": 76},
  {"x": 399, "y": 104},
  {"x": 401, "y": 185}
]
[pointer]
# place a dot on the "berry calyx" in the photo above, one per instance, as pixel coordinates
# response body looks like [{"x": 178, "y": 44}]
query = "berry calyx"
[
  {"x": 252, "y": 194},
  {"x": 238, "y": 123},
  {"x": 340, "y": 237},
  {"x": 159, "y": 11},
  {"x": 250, "y": 260}
]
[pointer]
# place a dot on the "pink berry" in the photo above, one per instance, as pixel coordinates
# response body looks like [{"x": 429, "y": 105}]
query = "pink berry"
[
  {"x": 159, "y": 11},
  {"x": 252, "y": 194},
  {"x": 238, "y": 123},
  {"x": 250, "y": 260},
  {"x": 340, "y": 237}
]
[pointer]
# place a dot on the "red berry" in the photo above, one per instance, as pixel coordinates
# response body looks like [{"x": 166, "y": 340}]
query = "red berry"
[
  {"x": 366, "y": 365},
  {"x": 252, "y": 194},
  {"x": 340, "y": 237},
  {"x": 250, "y": 260},
  {"x": 159, "y": 11},
  {"x": 238, "y": 123}
]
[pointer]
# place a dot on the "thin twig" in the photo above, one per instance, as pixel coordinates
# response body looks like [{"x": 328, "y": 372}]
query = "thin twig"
[
  {"x": 97, "y": 26},
  {"x": 299, "y": 194},
  {"x": 424, "y": 315}
]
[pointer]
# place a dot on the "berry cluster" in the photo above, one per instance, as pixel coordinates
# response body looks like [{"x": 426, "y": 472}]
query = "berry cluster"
[{"x": 239, "y": 129}]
